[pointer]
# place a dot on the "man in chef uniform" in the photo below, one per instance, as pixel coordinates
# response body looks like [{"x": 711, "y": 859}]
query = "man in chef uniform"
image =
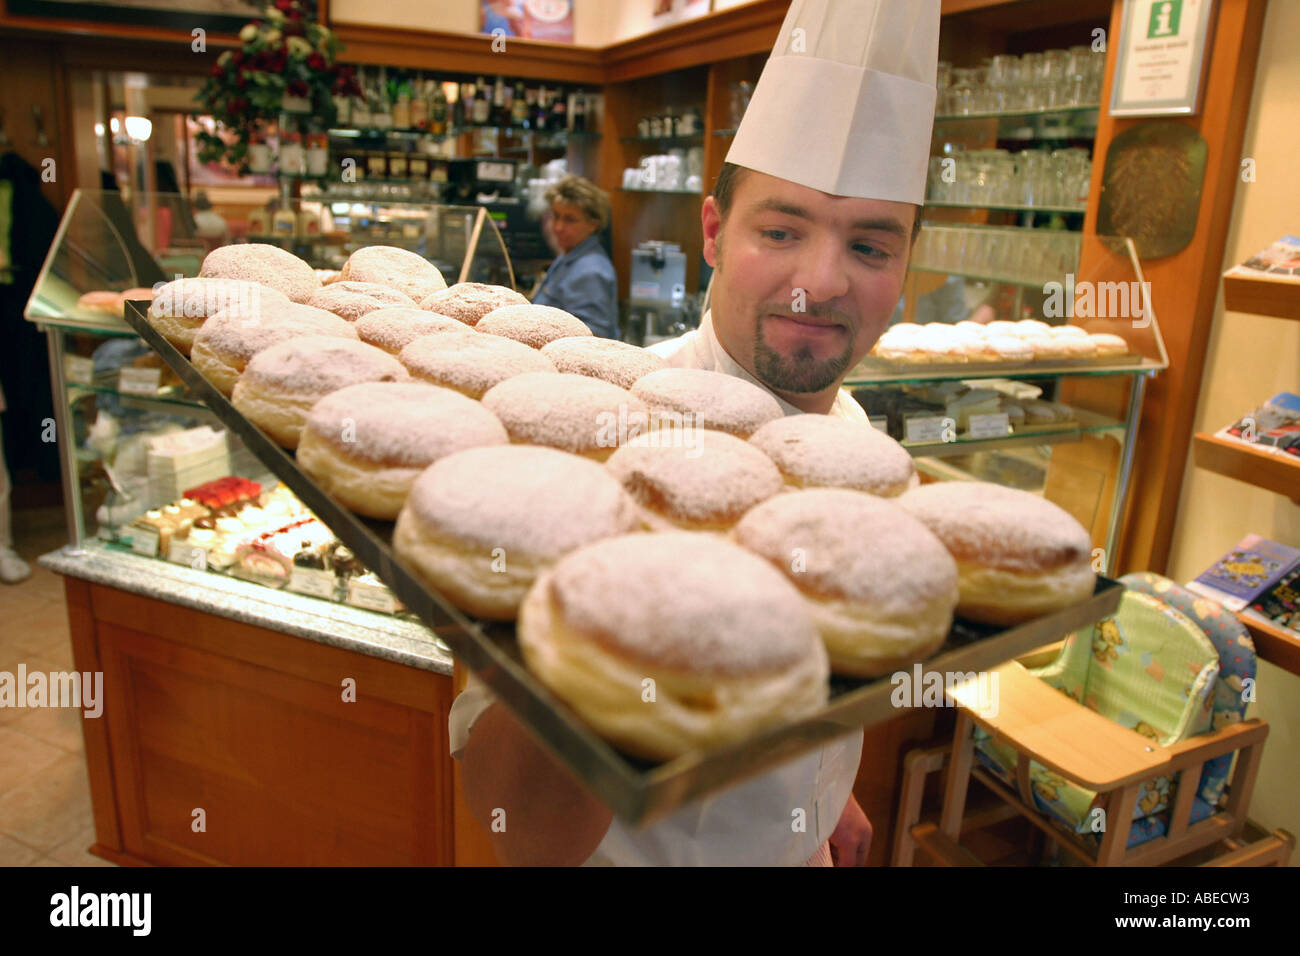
[{"x": 809, "y": 231}]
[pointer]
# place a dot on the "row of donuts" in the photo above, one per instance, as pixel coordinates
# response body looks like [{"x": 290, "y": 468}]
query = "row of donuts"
[
  {"x": 503, "y": 525},
  {"x": 1028, "y": 340}
]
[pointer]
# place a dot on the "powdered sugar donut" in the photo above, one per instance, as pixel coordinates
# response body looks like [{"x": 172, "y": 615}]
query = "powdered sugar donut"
[
  {"x": 819, "y": 451},
  {"x": 480, "y": 525},
  {"x": 534, "y": 325},
  {"x": 693, "y": 479},
  {"x": 470, "y": 362},
  {"x": 227, "y": 342},
  {"x": 366, "y": 444},
  {"x": 1109, "y": 345},
  {"x": 725, "y": 638},
  {"x": 1018, "y": 555},
  {"x": 619, "y": 363},
  {"x": 282, "y": 383},
  {"x": 712, "y": 399},
  {"x": 469, "y": 301},
  {"x": 392, "y": 329},
  {"x": 878, "y": 607},
  {"x": 352, "y": 300},
  {"x": 396, "y": 268},
  {"x": 180, "y": 307},
  {"x": 268, "y": 265},
  {"x": 571, "y": 412}
]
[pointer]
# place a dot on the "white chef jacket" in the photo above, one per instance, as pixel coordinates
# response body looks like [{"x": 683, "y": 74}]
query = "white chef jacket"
[{"x": 756, "y": 823}]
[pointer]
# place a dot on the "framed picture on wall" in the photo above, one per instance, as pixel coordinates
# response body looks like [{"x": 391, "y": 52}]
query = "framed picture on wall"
[
  {"x": 216, "y": 16},
  {"x": 668, "y": 12},
  {"x": 528, "y": 19},
  {"x": 1162, "y": 57}
]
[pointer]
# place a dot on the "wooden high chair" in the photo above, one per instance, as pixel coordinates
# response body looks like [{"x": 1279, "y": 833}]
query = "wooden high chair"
[{"x": 1062, "y": 742}]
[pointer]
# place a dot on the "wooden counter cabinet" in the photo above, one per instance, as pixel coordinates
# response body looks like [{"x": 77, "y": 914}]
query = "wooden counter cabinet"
[{"x": 225, "y": 743}]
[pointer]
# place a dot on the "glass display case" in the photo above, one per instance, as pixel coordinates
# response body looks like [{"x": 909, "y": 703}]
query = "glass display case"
[
  {"x": 147, "y": 468},
  {"x": 983, "y": 386}
]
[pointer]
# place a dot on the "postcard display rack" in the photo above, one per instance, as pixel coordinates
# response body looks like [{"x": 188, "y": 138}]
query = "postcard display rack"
[{"x": 638, "y": 792}]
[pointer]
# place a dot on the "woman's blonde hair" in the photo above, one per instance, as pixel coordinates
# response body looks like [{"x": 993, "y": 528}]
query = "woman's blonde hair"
[{"x": 583, "y": 193}]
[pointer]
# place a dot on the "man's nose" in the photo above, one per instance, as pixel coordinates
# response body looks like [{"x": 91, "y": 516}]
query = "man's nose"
[{"x": 822, "y": 272}]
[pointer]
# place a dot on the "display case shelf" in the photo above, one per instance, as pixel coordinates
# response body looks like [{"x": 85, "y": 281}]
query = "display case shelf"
[
  {"x": 665, "y": 140},
  {"x": 1279, "y": 298},
  {"x": 1019, "y": 114},
  {"x": 1084, "y": 422},
  {"x": 661, "y": 192},
  {"x": 1007, "y": 207},
  {"x": 1262, "y": 466}
]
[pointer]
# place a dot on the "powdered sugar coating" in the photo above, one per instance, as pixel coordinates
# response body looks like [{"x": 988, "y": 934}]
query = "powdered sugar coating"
[
  {"x": 571, "y": 412},
  {"x": 619, "y": 363},
  {"x": 468, "y": 302},
  {"x": 722, "y": 401},
  {"x": 395, "y": 268},
  {"x": 820, "y": 451},
  {"x": 534, "y": 325},
  {"x": 403, "y": 424},
  {"x": 684, "y": 601},
  {"x": 352, "y": 300},
  {"x": 852, "y": 545},
  {"x": 534, "y": 502},
  {"x": 999, "y": 527},
  {"x": 712, "y": 482},
  {"x": 266, "y": 264},
  {"x": 201, "y": 298},
  {"x": 237, "y": 336},
  {"x": 470, "y": 362},
  {"x": 392, "y": 329},
  {"x": 318, "y": 365}
]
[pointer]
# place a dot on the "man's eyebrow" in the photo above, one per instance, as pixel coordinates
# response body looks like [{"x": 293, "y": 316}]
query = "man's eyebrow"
[{"x": 887, "y": 224}]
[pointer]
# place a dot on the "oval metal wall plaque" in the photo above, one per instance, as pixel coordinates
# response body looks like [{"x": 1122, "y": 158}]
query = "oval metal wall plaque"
[{"x": 1151, "y": 187}]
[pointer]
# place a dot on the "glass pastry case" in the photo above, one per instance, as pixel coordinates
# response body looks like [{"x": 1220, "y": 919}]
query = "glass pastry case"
[
  {"x": 1025, "y": 365},
  {"x": 147, "y": 467}
]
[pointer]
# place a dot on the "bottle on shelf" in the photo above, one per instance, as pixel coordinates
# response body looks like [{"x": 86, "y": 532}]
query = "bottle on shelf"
[
  {"x": 559, "y": 119},
  {"x": 519, "y": 107},
  {"x": 285, "y": 221},
  {"x": 579, "y": 112},
  {"x": 458, "y": 106},
  {"x": 361, "y": 102},
  {"x": 402, "y": 105},
  {"x": 420, "y": 104},
  {"x": 482, "y": 105},
  {"x": 541, "y": 117},
  {"x": 381, "y": 108},
  {"x": 438, "y": 111},
  {"x": 499, "y": 115},
  {"x": 530, "y": 108}
]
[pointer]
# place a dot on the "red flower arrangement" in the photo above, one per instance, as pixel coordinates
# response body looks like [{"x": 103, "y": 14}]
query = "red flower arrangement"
[{"x": 287, "y": 53}]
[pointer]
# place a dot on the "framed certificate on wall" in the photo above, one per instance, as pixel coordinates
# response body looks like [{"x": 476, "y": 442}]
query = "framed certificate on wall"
[{"x": 1162, "y": 57}]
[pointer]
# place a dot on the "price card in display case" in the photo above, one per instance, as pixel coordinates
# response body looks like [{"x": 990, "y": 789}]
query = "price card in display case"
[
  {"x": 78, "y": 369},
  {"x": 139, "y": 381},
  {"x": 990, "y": 426},
  {"x": 927, "y": 429},
  {"x": 313, "y": 581},
  {"x": 372, "y": 597},
  {"x": 144, "y": 541}
]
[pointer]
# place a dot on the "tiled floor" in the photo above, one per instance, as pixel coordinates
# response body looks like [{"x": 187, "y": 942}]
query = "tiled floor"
[{"x": 45, "y": 815}]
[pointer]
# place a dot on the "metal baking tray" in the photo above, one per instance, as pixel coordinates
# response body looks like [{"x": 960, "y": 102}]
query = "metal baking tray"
[{"x": 638, "y": 792}]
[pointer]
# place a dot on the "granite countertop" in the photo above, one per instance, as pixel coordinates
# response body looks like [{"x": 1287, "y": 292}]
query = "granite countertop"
[{"x": 339, "y": 625}]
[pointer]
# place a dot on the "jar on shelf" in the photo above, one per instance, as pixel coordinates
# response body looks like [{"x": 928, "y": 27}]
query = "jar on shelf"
[
  {"x": 292, "y": 157},
  {"x": 318, "y": 154},
  {"x": 259, "y": 151}
]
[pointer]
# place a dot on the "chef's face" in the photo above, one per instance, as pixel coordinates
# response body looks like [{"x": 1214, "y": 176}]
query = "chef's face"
[
  {"x": 571, "y": 225},
  {"x": 804, "y": 281}
]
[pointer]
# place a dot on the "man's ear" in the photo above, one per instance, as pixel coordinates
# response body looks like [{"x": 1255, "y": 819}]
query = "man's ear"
[{"x": 711, "y": 222}]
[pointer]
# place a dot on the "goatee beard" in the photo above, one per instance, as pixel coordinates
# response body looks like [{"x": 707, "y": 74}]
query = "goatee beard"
[{"x": 801, "y": 373}]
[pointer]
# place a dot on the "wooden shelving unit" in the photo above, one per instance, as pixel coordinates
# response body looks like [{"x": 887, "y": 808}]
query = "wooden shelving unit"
[
  {"x": 1279, "y": 298},
  {"x": 1261, "y": 467},
  {"x": 1277, "y": 645}
]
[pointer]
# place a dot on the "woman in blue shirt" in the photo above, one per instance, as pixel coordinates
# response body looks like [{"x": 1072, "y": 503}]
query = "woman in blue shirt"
[{"x": 582, "y": 280}]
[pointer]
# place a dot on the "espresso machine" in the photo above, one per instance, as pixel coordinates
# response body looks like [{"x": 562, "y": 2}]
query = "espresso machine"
[{"x": 658, "y": 307}]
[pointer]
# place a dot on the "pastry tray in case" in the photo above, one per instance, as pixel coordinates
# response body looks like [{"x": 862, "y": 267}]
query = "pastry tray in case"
[{"x": 637, "y": 791}]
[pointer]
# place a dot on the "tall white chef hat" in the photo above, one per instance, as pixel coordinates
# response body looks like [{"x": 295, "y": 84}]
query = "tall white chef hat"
[{"x": 846, "y": 101}]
